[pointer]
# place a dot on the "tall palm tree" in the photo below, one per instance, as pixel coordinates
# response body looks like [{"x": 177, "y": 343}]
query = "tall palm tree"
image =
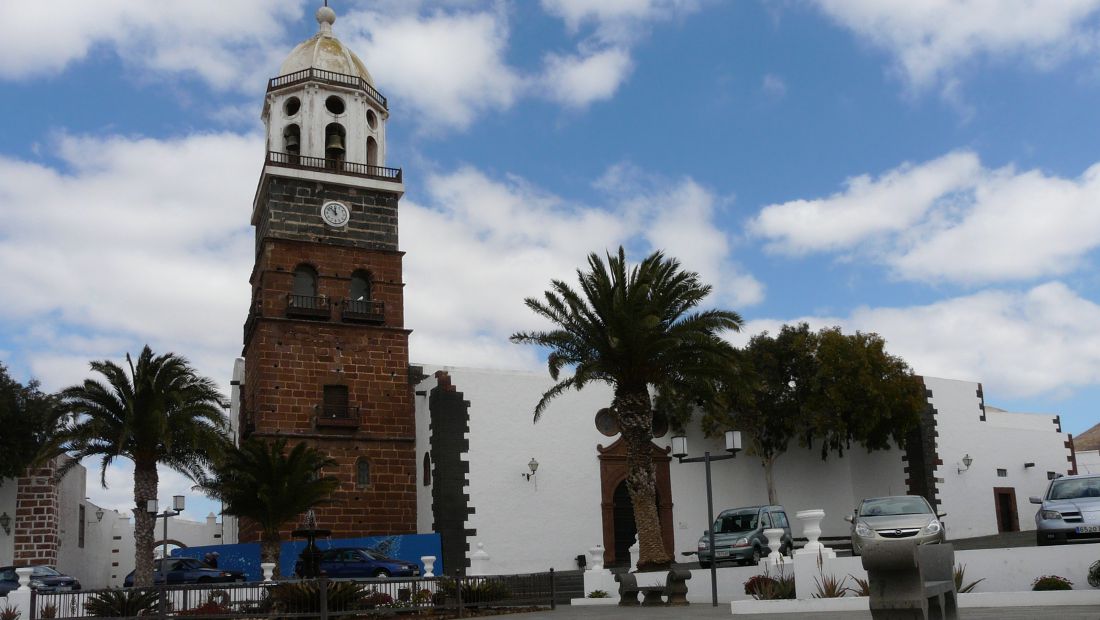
[
  {"x": 633, "y": 328},
  {"x": 263, "y": 482},
  {"x": 159, "y": 412}
]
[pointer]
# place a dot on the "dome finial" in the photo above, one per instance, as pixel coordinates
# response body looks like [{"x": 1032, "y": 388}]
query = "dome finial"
[{"x": 325, "y": 18}]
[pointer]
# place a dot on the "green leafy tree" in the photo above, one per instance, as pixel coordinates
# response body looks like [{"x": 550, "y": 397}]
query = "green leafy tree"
[
  {"x": 263, "y": 482},
  {"x": 634, "y": 328},
  {"x": 820, "y": 388},
  {"x": 157, "y": 411},
  {"x": 30, "y": 419}
]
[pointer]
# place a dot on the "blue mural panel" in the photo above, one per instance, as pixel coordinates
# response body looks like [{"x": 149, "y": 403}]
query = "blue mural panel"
[{"x": 246, "y": 556}]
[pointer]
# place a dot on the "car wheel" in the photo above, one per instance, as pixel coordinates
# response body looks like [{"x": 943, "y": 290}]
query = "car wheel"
[
  {"x": 755, "y": 556},
  {"x": 381, "y": 574}
]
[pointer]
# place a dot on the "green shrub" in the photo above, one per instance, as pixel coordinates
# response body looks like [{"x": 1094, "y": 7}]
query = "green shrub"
[
  {"x": 477, "y": 591},
  {"x": 828, "y": 586},
  {"x": 598, "y": 594},
  {"x": 765, "y": 587},
  {"x": 304, "y": 597},
  {"x": 122, "y": 603},
  {"x": 1051, "y": 582},
  {"x": 209, "y": 608},
  {"x": 48, "y": 611},
  {"x": 863, "y": 587}
]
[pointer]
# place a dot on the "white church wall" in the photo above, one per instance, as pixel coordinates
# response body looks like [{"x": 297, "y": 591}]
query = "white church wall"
[
  {"x": 1003, "y": 441},
  {"x": 8, "y": 487},
  {"x": 424, "y": 518},
  {"x": 546, "y": 521},
  {"x": 1088, "y": 462}
]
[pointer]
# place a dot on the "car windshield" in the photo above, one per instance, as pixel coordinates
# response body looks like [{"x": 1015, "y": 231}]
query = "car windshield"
[
  {"x": 45, "y": 571},
  {"x": 1075, "y": 489},
  {"x": 374, "y": 555},
  {"x": 8, "y": 574},
  {"x": 884, "y": 506},
  {"x": 735, "y": 522}
]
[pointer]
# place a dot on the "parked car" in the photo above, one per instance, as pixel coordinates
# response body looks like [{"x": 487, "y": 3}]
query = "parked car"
[
  {"x": 188, "y": 570},
  {"x": 739, "y": 535},
  {"x": 895, "y": 517},
  {"x": 43, "y": 579},
  {"x": 349, "y": 562},
  {"x": 1069, "y": 512}
]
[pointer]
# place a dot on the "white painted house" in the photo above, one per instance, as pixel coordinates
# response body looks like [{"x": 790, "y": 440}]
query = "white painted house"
[{"x": 478, "y": 424}]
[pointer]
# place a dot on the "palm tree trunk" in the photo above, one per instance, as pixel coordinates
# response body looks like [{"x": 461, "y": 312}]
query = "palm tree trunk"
[
  {"x": 636, "y": 421},
  {"x": 269, "y": 549},
  {"x": 145, "y": 488},
  {"x": 769, "y": 479}
]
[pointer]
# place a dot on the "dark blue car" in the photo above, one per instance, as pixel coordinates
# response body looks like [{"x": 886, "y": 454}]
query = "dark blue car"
[
  {"x": 43, "y": 579},
  {"x": 356, "y": 562},
  {"x": 188, "y": 570}
]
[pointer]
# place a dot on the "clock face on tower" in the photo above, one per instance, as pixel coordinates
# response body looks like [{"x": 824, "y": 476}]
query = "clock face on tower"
[{"x": 334, "y": 213}]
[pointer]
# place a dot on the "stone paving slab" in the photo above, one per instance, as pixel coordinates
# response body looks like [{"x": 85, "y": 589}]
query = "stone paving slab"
[{"x": 566, "y": 612}]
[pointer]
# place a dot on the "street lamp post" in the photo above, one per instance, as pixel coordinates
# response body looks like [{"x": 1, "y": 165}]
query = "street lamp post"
[
  {"x": 178, "y": 502},
  {"x": 679, "y": 450}
]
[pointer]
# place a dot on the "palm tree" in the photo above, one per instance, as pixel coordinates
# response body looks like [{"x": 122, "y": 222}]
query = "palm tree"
[
  {"x": 161, "y": 412},
  {"x": 633, "y": 328},
  {"x": 263, "y": 482}
]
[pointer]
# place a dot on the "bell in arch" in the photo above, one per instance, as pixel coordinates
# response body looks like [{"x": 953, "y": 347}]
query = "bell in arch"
[
  {"x": 335, "y": 144},
  {"x": 292, "y": 143}
]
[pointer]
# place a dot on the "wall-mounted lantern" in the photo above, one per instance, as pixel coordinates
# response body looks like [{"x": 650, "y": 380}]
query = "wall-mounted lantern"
[
  {"x": 533, "y": 465},
  {"x": 967, "y": 460}
]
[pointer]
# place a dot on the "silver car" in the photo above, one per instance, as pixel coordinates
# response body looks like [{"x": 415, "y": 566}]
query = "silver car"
[
  {"x": 1069, "y": 512},
  {"x": 907, "y": 517}
]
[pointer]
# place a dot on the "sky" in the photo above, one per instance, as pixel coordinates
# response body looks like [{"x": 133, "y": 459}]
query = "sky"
[{"x": 928, "y": 171}]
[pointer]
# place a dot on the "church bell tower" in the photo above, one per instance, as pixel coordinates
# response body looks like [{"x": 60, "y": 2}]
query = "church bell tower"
[{"x": 325, "y": 347}]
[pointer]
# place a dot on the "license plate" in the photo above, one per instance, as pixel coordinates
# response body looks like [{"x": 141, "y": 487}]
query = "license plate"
[
  {"x": 64, "y": 588},
  {"x": 1088, "y": 529},
  {"x": 722, "y": 553}
]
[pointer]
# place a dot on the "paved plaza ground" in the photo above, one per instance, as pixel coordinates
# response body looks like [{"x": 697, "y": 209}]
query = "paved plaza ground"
[{"x": 700, "y": 612}]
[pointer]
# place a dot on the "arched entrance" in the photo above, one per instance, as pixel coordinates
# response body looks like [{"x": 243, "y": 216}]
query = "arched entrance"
[{"x": 619, "y": 528}]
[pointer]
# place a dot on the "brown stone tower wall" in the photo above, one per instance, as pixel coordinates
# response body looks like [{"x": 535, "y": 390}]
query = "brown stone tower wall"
[
  {"x": 289, "y": 360},
  {"x": 35, "y": 525}
]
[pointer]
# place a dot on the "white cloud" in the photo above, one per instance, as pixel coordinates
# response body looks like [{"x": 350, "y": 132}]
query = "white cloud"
[
  {"x": 223, "y": 43},
  {"x": 867, "y": 208},
  {"x": 142, "y": 241},
  {"x": 580, "y": 80},
  {"x": 949, "y": 219},
  {"x": 448, "y": 67},
  {"x": 1038, "y": 342},
  {"x": 617, "y": 21},
  {"x": 482, "y": 245},
  {"x": 931, "y": 39}
]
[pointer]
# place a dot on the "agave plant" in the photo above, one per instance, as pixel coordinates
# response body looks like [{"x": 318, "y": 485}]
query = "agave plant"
[
  {"x": 960, "y": 575},
  {"x": 127, "y": 603}
]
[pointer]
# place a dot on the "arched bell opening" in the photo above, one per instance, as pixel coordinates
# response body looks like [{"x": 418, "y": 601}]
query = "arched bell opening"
[{"x": 335, "y": 141}]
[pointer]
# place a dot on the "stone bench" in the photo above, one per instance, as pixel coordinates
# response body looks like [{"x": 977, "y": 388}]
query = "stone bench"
[
  {"x": 675, "y": 589},
  {"x": 910, "y": 581}
]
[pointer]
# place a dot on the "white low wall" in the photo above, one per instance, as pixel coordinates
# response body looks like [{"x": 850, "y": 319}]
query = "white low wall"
[{"x": 1004, "y": 571}]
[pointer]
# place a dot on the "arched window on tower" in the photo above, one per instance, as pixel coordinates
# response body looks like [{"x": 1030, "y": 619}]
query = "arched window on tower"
[
  {"x": 427, "y": 469},
  {"x": 304, "y": 300},
  {"x": 372, "y": 152},
  {"x": 292, "y": 139},
  {"x": 361, "y": 306},
  {"x": 362, "y": 472},
  {"x": 335, "y": 141}
]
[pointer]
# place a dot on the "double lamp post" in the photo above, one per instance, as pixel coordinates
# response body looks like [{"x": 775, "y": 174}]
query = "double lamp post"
[
  {"x": 679, "y": 450},
  {"x": 177, "y": 507}
]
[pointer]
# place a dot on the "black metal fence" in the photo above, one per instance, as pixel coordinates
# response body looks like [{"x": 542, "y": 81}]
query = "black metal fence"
[{"x": 320, "y": 598}]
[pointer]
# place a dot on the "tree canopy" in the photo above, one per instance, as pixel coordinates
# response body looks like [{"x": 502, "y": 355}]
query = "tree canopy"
[
  {"x": 824, "y": 390},
  {"x": 30, "y": 419}
]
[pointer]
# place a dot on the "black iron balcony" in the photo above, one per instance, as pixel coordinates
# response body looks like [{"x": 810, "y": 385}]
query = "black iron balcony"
[
  {"x": 307, "y": 307},
  {"x": 301, "y": 162},
  {"x": 340, "y": 416},
  {"x": 328, "y": 77},
  {"x": 363, "y": 311}
]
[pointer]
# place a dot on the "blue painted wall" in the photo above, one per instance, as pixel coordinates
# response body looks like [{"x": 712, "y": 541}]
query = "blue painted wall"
[{"x": 246, "y": 556}]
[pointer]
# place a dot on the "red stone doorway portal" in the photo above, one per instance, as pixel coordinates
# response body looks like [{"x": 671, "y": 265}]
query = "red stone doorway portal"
[{"x": 612, "y": 475}]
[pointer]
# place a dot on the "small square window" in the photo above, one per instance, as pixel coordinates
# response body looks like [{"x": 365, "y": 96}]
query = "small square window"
[{"x": 1002, "y": 473}]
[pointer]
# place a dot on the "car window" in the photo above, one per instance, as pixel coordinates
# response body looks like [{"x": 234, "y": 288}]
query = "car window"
[
  {"x": 881, "y": 506},
  {"x": 44, "y": 571},
  {"x": 736, "y": 522},
  {"x": 1075, "y": 489},
  {"x": 780, "y": 519},
  {"x": 374, "y": 555},
  {"x": 351, "y": 555},
  {"x": 8, "y": 574},
  {"x": 189, "y": 564},
  {"x": 766, "y": 521}
]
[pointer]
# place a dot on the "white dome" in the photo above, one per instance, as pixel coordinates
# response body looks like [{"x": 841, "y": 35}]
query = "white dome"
[{"x": 326, "y": 52}]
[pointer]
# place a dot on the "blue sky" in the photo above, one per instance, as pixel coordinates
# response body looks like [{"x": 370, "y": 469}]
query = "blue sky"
[{"x": 927, "y": 171}]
